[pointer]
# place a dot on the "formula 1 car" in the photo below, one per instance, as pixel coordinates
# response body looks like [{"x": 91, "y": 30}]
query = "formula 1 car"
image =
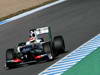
[{"x": 46, "y": 49}]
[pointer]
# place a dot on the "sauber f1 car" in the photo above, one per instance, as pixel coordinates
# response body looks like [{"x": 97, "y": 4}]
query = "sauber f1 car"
[{"x": 40, "y": 47}]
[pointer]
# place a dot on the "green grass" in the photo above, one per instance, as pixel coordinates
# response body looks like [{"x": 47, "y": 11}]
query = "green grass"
[{"x": 90, "y": 65}]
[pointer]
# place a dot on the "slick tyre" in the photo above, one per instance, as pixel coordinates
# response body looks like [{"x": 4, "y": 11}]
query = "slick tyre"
[{"x": 10, "y": 54}]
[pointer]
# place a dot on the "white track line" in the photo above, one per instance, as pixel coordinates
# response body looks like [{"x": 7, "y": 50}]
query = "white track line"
[
  {"x": 31, "y": 11},
  {"x": 74, "y": 57}
]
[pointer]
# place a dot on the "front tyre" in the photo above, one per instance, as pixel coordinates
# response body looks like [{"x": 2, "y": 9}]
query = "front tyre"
[{"x": 10, "y": 55}]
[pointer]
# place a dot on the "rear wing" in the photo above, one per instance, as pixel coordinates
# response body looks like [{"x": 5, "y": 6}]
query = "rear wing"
[{"x": 42, "y": 30}]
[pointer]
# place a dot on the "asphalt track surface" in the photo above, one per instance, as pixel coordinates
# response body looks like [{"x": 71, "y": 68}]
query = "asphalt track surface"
[{"x": 77, "y": 20}]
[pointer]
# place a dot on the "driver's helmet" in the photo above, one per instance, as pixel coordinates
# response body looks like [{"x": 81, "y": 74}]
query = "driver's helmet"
[{"x": 32, "y": 34}]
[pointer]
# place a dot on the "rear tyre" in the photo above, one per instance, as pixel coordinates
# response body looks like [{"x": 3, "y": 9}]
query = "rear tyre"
[
  {"x": 10, "y": 54},
  {"x": 58, "y": 44},
  {"x": 48, "y": 50}
]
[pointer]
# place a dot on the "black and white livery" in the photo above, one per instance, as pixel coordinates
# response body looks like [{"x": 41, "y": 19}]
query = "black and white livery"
[{"x": 39, "y": 47}]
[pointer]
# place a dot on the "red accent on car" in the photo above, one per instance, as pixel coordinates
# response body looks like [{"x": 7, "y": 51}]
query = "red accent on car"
[
  {"x": 38, "y": 57},
  {"x": 32, "y": 39},
  {"x": 17, "y": 60}
]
